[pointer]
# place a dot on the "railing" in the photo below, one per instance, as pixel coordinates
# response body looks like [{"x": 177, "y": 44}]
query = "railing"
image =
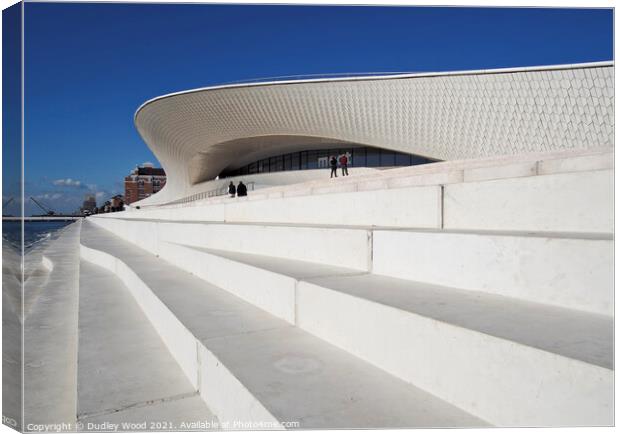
[{"x": 202, "y": 195}]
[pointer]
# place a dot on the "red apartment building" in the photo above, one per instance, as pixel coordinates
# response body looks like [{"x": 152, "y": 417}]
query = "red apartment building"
[{"x": 143, "y": 181}]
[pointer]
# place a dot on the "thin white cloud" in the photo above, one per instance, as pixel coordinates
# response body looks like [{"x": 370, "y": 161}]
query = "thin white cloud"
[
  {"x": 49, "y": 196},
  {"x": 67, "y": 182}
]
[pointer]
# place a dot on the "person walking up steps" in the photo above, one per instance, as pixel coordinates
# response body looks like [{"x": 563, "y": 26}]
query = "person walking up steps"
[
  {"x": 343, "y": 163},
  {"x": 232, "y": 190},
  {"x": 334, "y": 165}
]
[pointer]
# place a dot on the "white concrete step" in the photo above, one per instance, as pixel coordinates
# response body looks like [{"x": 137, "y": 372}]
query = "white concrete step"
[
  {"x": 509, "y": 362},
  {"x": 254, "y": 368},
  {"x": 126, "y": 375},
  {"x": 256, "y": 281},
  {"x": 571, "y": 270},
  {"x": 505, "y": 347},
  {"x": 557, "y": 202},
  {"x": 574, "y": 271},
  {"x": 348, "y": 247}
]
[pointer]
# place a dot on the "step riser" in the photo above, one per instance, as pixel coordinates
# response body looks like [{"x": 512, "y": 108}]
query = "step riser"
[
  {"x": 409, "y": 206},
  {"x": 571, "y": 273},
  {"x": 140, "y": 233},
  {"x": 412, "y": 206},
  {"x": 271, "y": 292},
  {"x": 348, "y": 248},
  {"x": 503, "y": 382},
  {"x": 227, "y": 397},
  {"x": 231, "y": 402},
  {"x": 181, "y": 345},
  {"x": 567, "y": 202},
  {"x": 342, "y": 320}
]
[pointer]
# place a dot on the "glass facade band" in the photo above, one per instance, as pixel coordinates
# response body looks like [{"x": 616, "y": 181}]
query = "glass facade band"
[{"x": 318, "y": 159}]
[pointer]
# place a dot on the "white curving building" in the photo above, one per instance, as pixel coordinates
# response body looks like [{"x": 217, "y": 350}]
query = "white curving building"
[{"x": 198, "y": 134}]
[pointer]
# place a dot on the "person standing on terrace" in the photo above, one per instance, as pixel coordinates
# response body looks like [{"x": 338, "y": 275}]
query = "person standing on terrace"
[
  {"x": 334, "y": 165},
  {"x": 242, "y": 190},
  {"x": 344, "y": 160}
]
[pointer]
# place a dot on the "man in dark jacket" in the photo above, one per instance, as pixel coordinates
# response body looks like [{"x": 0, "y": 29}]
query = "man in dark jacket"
[
  {"x": 334, "y": 165},
  {"x": 232, "y": 190},
  {"x": 242, "y": 190},
  {"x": 343, "y": 164}
]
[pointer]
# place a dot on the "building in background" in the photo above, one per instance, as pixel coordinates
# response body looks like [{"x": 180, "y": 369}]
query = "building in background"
[
  {"x": 89, "y": 204},
  {"x": 117, "y": 203},
  {"x": 143, "y": 181}
]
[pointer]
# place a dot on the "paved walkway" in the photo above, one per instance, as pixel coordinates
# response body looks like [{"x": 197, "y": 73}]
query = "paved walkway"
[
  {"x": 126, "y": 375},
  {"x": 50, "y": 339}
]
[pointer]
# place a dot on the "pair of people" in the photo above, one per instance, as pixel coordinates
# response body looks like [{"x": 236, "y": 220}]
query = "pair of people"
[
  {"x": 240, "y": 190},
  {"x": 344, "y": 161}
]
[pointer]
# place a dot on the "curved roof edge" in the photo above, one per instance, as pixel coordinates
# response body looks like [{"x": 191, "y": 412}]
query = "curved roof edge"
[{"x": 377, "y": 77}]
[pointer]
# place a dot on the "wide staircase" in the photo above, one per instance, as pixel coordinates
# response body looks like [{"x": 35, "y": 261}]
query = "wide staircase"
[{"x": 454, "y": 294}]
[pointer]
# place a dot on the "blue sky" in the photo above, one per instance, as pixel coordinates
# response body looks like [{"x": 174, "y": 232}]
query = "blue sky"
[{"x": 89, "y": 66}]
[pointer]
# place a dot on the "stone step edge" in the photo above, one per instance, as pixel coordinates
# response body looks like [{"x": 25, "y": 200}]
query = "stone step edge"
[
  {"x": 300, "y": 286},
  {"x": 295, "y": 283},
  {"x": 198, "y": 363},
  {"x": 580, "y": 375},
  {"x": 587, "y": 236}
]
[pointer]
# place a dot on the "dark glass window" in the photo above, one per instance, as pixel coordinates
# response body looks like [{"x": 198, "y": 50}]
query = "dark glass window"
[
  {"x": 387, "y": 158},
  {"x": 419, "y": 160},
  {"x": 402, "y": 159},
  {"x": 313, "y": 159},
  {"x": 359, "y": 157},
  {"x": 263, "y": 166},
  {"x": 295, "y": 161},
  {"x": 318, "y": 158},
  {"x": 373, "y": 157},
  {"x": 287, "y": 162}
]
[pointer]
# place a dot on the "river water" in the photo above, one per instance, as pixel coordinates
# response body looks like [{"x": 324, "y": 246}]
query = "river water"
[{"x": 35, "y": 233}]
